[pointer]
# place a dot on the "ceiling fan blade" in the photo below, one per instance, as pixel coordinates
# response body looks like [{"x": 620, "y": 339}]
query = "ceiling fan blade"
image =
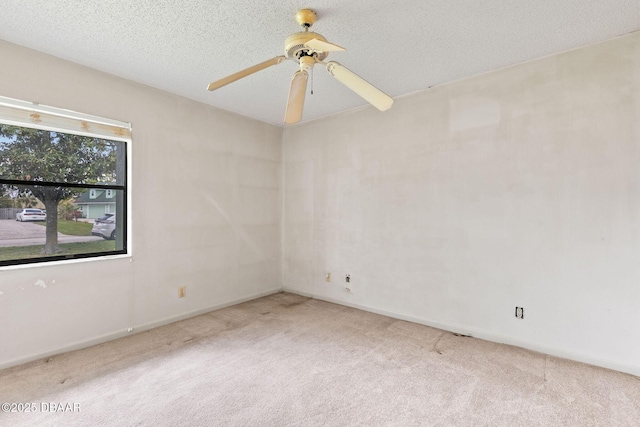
[
  {"x": 323, "y": 46},
  {"x": 366, "y": 90},
  {"x": 297, "y": 92},
  {"x": 244, "y": 73}
]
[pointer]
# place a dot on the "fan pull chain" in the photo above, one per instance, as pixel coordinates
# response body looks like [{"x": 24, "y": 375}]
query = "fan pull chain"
[{"x": 312, "y": 81}]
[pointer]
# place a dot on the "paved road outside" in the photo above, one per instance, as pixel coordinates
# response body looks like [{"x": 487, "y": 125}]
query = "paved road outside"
[{"x": 15, "y": 233}]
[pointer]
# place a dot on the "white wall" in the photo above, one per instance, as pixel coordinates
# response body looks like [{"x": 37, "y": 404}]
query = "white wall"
[
  {"x": 520, "y": 187},
  {"x": 206, "y": 214}
]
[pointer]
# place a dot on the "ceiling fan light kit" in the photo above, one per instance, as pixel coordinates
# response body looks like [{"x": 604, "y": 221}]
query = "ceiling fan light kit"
[{"x": 307, "y": 49}]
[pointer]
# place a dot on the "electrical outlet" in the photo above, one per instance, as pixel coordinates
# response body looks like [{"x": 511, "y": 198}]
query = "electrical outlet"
[
  {"x": 347, "y": 281},
  {"x": 520, "y": 312},
  {"x": 182, "y": 291}
]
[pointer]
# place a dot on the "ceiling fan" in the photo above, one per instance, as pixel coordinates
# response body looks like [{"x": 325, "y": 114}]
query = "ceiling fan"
[{"x": 307, "y": 49}]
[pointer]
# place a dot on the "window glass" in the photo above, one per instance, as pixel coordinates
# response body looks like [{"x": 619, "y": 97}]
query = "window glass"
[{"x": 67, "y": 176}]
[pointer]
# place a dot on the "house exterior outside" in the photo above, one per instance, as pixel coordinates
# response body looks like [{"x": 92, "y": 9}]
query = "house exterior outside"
[{"x": 96, "y": 202}]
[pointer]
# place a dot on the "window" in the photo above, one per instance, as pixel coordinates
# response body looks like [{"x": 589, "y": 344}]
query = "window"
[{"x": 53, "y": 160}]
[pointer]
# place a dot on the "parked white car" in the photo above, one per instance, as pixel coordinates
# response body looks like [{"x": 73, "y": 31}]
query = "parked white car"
[
  {"x": 105, "y": 227},
  {"x": 31, "y": 214}
]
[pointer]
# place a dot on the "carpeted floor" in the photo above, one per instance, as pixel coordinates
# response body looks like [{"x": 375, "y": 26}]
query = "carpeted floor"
[{"x": 287, "y": 360}]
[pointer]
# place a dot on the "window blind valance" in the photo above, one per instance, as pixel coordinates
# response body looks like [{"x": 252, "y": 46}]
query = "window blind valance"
[{"x": 30, "y": 114}]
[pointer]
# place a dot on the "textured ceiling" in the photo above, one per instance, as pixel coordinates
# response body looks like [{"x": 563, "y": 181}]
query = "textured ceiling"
[{"x": 400, "y": 46}]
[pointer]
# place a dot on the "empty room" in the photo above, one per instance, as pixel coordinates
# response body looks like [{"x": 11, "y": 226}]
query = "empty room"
[{"x": 420, "y": 213}]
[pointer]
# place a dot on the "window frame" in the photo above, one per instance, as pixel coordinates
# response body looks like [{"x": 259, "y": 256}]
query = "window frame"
[{"x": 35, "y": 116}]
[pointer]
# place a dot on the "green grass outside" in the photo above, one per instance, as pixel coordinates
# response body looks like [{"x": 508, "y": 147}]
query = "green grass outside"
[
  {"x": 71, "y": 228},
  {"x": 24, "y": 252}
]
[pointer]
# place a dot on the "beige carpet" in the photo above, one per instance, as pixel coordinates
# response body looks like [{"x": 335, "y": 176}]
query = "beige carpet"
[{"x": 288, "y": 360}]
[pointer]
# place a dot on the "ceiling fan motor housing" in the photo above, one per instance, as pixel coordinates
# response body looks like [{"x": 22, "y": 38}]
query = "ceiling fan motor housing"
[{"x": 294, "y": 46}]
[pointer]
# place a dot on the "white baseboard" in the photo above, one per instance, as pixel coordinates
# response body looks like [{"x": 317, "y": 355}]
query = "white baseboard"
[
  {"x": 487, "y": 336},
  {"x": 477, "y": 333},
  {"x": 136, "y": 329},
  {"x": 172, "y": 319}
]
